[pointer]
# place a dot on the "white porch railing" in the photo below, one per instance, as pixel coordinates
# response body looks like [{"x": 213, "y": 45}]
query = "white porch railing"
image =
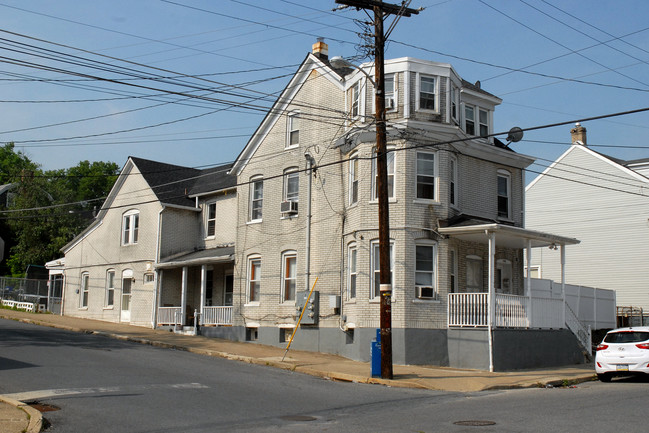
[
  {"x": 220, "y": 315},
  {"x": 27, "y": 306},
  {"x": 467, "y": 309},
  {"x": 168, "y": 315}
]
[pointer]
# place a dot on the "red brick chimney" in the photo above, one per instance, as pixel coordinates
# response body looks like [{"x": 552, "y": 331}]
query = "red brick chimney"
[{"x": 578, "y": 134}]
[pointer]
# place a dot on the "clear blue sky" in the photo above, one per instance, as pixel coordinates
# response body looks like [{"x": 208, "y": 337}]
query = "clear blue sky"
[{"x": 581, "y": 59}]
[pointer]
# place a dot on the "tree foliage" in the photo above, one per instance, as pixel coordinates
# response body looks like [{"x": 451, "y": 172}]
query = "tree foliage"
[{"x": 50, "y": 207}]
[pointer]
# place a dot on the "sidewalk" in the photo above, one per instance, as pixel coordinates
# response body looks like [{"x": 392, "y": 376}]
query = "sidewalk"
[{"x": 317, "y": 364}]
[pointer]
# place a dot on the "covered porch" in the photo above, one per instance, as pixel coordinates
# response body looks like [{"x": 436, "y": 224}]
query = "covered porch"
[
  {"x": 504, "y": 305},
  {"x": 195, "y": 289}
]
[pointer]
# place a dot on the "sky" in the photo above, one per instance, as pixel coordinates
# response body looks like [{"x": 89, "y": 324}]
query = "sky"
[{"x": 187, "y": 82}]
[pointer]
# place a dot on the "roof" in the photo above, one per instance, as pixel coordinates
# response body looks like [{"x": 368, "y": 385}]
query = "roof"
[
  {"x": 210, "y": 255},
  {"x": 505, "y": 235},
  {"x": 476, "y": 88}
]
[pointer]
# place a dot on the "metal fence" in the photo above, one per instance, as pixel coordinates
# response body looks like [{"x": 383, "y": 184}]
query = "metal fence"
[{"x": 39, "y": 292}]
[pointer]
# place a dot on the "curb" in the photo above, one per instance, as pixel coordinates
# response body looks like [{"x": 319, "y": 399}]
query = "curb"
[{"x": 35, "y": 417}]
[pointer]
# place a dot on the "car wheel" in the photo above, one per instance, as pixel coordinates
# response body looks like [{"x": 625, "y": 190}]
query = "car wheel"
[{"x": 604, "y": 377}]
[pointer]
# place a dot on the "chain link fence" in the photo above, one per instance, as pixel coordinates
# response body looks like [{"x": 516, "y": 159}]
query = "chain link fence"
[{"x": 45, "y": 294}]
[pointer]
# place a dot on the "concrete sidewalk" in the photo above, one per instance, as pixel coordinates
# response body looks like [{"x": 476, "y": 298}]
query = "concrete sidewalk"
[{"x": 318, "y": 364}]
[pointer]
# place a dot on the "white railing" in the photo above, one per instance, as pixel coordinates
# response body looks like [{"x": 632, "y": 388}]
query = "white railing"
[
  {"x": 27, "y": 306},
  {"x": 168, "y": 315},
  {"x": 581, "y": 331},
  {"x": 216, "y": 316},
  {"x": 511, "y": 311},
  {"x": 467, "y": 309}
]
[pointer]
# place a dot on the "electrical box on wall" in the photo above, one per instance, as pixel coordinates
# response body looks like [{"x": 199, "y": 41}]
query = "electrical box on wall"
[{"x": 310, "y": 316}]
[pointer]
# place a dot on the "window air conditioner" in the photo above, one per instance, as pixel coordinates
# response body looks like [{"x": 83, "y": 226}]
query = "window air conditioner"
[
  {"x": 423, "y": 292},
  {"x": 289, "y": 207},
  {"x": 389, "y": 103}
]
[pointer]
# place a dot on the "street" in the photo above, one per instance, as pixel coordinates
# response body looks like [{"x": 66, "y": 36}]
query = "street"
[{"x": 98, "y": 384}]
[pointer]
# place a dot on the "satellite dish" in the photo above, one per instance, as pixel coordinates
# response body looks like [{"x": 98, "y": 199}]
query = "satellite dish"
[{"x": 515, "y": 135}]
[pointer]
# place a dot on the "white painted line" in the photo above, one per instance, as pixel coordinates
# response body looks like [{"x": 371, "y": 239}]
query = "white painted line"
[{"x": 47, "y": 393}]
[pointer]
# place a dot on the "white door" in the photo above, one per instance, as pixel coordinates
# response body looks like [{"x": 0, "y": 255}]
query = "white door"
[{"x": 126, "y": 299}]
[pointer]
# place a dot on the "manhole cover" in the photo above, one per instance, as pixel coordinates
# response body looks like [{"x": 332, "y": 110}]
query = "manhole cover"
[
  {"x": 43, "y": 407},
  {"x": 474, "y": 423},
  {"x": 298, "y": 418}
]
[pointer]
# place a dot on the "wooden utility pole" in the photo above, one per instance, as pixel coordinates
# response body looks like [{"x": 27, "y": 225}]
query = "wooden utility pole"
[{"x": 381, "y": 10}]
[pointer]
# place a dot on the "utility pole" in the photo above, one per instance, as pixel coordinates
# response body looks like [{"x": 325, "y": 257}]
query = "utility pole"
[{"x": 381, "y": 10}]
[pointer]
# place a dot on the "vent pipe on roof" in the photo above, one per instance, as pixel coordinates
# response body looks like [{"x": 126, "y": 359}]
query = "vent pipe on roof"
[{"x": 578, "y": 134}]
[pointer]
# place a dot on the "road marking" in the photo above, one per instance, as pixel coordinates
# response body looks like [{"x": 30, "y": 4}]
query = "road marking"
[{"x": 46, "y": 393}]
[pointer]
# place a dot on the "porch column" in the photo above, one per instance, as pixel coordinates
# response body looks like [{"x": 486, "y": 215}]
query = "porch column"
[
  {"x": 528, "y": 282},
  {"x": 183, "y": 297},
  {"x": 563, "y": 282},
  {"x": 491, "y": 297},
  {"x": 203, "y": 289},
  {"x": 156, "y": 296}
]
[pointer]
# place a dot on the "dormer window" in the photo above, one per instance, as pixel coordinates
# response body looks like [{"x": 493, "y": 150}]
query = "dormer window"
[
  {"x": 483, "y": 120},
  {"x": 390, "y": 93},
  {"x": 469, "y": 119},
  {"x": 426, "y": 93},
  {"x": 293, "y": 130},
  {"x": 455, "y": 102},
  {"x": 355, "y": 108}
]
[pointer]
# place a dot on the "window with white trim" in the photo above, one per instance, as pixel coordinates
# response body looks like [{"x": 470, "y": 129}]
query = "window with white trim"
[
  {"x": 210, "y": 219},
  {"x": 353, "y": 179},
  {"x": 469, "y": 119},
  {"x": 426, "y": 175},
  {"x": 109, "y": 300},
  {"x": 453, "y": 271},
  {"x": 254, "y": 279},
  {"x": 375, "y": 290},
  {"x": 455, "y": 102},
  {"x": 256, "y": 199},
  {"x": 355, "y": 100},
  {"x": 352, "y": 272},
  {"x": 130, "y": 227},
  {"x": 291, "y": 184},
  {"x": 390, "y": 93},
  {"x": 425, "y": 259},
  {"x": 504, "y": 194},
  {"x": 289, "y": 276},
  {"x": 474, "y": 280},
  {"x": 483, "y": 122},
  {"x": 452, "y": 181},
  {"x": 293, "y": 130},
  {"x": 84, "y": 290},
  {"x": 391, "y": 171},
  {"x": 427, "y": 92},
  {"x": 148, "y": 278}
]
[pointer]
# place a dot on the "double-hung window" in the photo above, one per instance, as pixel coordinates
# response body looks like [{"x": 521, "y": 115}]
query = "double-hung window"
[
  {"x": 352, "y": 273},
  {"x": 469, "y": 120},
  {"x": 483, "y": 121},
  {"x": 504, "y": 194},
  {"x": 291, "y": 184},
  {"x": 293, "y": 130},
  {"x": 110, "y": 288},
  {"x": 289, "y": 274},
  {"x": 453, "y": 271},
  {"x": 425, "y": 257},
  {"x": 210, "y": 219},
  {"x": 85, "y": 289},
  {"x": 452, "y": 181},
  {"x": 391, "y": 171},
  {"x": 426, "y": 175},
  {"x": 355, "y": 106},
  {"x": 130, "y": 227},
  {"x": 455, "y": 102},
  {"x": 256, "y": 199},
  {"x": 390, "y": 93},
  {"x": 426, "y": 93},
  {"x": 254, "y": 279},
  {"x": 353, "y": 179},
  {"x": 375, "y": 290}
]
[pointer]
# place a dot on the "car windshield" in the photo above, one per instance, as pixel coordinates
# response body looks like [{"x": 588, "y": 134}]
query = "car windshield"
[{"x": 626, "y": 337}]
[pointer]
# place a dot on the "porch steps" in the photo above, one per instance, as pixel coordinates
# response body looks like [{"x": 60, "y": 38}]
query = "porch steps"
[{"x": 186, "y": 330}]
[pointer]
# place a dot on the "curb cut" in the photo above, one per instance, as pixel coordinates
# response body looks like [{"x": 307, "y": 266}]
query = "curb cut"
[{"x": 35, "y": 417}]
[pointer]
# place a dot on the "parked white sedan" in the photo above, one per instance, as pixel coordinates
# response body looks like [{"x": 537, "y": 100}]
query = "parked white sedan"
[{"x": 623, "y": 351}]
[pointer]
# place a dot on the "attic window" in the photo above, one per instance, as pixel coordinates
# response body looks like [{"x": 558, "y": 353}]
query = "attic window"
[
  {"x": 130, "y": 227},
  {"x": 293, "y": 130}
]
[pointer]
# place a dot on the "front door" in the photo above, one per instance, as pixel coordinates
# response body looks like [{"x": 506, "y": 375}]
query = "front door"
[
  {"x": 229, "y": 290},
  {"x": 126, "y": 299}
]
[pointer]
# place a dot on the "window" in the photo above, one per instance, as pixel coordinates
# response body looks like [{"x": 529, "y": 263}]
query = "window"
[
  {"x": 391, "y": 166},
  {"x": 355, "y": 109},
  {"x": 353, "y": 179},
  {"x": 504, "y": 193},
  {"x": 376, "y": 268},
  {"x": 535, "y": 271},
  {"x": 210, "y": 219},
  {"x": 83, "y": 294},
  {"x": 469, "y": 120},
  {"x": 130, "y": 227},
  {"x": 256, "y": 199},
  {"x": 149, "y": 278},
  {"x": 474, "y": 274},
  {"x": 228, "y": 294},
  {"x": 426, "y": 175},
  {"x": 291, "y": 184},
  {"x": 483, "y": 120},
  {"x": 352, "y": 254},
  {"x": 110, "y": 288},
  {"x": 453, "y": 275},
  {"x": 503, "y": 277},
  {"x": 426, "y": 93},
  {"x": 293, "y": 130},
  {"x": 289, "y": 265},
  {"x": 390, "y": 94},
  {"x": 254, "y": 279},
  {"x": 452, "y": 181},
  {"x": 425, "y": 256},
  {"x": 455, "y": 101}
]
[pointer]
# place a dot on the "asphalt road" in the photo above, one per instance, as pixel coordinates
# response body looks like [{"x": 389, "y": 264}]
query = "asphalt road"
[{"x": 103, "y": 385}]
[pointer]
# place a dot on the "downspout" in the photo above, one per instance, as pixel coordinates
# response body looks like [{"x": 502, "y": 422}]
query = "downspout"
[
  {"x": 310, "y": 163},
  {"x": 528, "y": 283},
  {"x": 491, "y": 297}
]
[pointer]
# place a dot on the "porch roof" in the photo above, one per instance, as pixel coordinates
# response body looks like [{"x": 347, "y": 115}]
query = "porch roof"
[
  {"x": 507, "y": 236},
  {"x": 202, "y": 257}
]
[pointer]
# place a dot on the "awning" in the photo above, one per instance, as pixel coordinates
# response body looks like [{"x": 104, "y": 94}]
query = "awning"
[
  {"x": 506, "y": 236},
  {"x": 201, "y": 257}
]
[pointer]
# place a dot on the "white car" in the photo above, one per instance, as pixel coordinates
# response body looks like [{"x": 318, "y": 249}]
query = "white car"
[{"x": 623, "y": 351}]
